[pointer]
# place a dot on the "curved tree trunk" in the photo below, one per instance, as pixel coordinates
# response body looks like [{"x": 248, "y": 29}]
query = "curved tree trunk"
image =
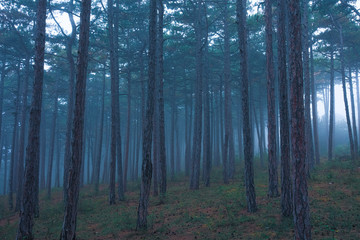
[
  {"x": 353, "y": 115},
  {"x": 69, "y": 224},
  {"x": 332, "y": 105}
]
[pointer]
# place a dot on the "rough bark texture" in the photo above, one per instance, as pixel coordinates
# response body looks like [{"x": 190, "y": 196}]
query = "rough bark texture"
[
  {"x": 146, "y": 170},
  {"x": 33, "y": 148},
  {"x": 301, "y": 210},
  {"x": 70, "y": 106},
  {"x": 69, "y": 224},
  {"x": 286, "y": 190},
  {"x": 305, "y": 48},
  {"x": 247, "y": 136},
  {"x": 270, "y": 76}
]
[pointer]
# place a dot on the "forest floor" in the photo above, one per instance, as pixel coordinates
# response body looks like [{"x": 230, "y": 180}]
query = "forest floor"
[{"x": 216, "y": 212}]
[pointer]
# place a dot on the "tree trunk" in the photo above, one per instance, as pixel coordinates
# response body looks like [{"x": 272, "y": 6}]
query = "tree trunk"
[
  {"x": 314, "y": 108},
  {"x": 161, "y": 102},
  {"x": 172, "y": 135},
  {"x": 286, "y": 189},
  {"x": 70, "y": 106},
  {"x": 146, "y": 172},
  {"x": 305, "y": 47},
  {"x": 342, "y": 60},
  {"x": 22, "y": 135},
  {"x": 301, "y": 209},
  {"x": 127, "y": 147},
  {"x": 69, "y": 225},
  {"x": 332, "y": 105},
  {"x": 357, "y": 96},
  {"x": 196, "y": 154},
  {"x": 28, "y": 209},
  {"x": 270, "y": 76},
  {"x": 52, "y": 145},
  {"x": 353, "y": 115},
  {"x": 101, "y": 129},
  {"x": 248, "y": 144}
]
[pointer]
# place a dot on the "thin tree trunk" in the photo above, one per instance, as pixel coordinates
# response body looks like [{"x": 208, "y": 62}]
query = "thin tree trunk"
[
  {"x": 305, "y": 48},
  {"x": 301, "y": 210},
  {"x": 163, "y": 181},
  {"x": 248, "y": 143},
  {"x": 314, "y": 108},
  {"x": 353, "y": 115},
  {"x": 270, "y": 76},
  {"x": 43, "y": 149},
  {"x": 148, "y": 126},
  {"x": 52, "y": 145},
  {"x": 31, "y": 184},
  {"x": 286, "y": 188},
  {"x": 196, "y": 154},
  {"x": 69, "y": 224},
  {"x": 127, "y": 147},
  {"x": 22, "y": 135},
  {"x": 70, "y": 106},
  {"x": 101, "y": 129},
  {"x": 332, "y": 105}
]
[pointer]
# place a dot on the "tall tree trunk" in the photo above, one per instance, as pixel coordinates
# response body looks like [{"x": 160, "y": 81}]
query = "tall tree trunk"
[
  {"x": 357, "y": 96},
  {"x": 101, "y": 129},
  {"x": 286, "y": 189},
  {"x": 207, "y": 153},
  {"x": 43, "y": 148},
  {"x": 28, "y": 209},
  {"x": 353, "y": 115},
  {"x": 127, "y": 147},
  {"x": 52, "y": 145},
  {"x": 314, "y": 108},
  {"x": 332, "y": 105},
  {"x": 5, "y": 164},
  {"x": 270, "y": 76},
  {"x": 13, "y": 149},
  {"x": 196, "y": 154},
  {"x": 342, "y": 60},
  {"x": 70, "y": 106},
  {"x": 22, "y": 135},
  {"x": 305, "y": 47},
  {"x": 69, "y": 224},
  {"x": 248, "y": 143},
  {"x": 161, "y": 102},
  {"x": 57, "y": 167},
  {"x": 146, "y": 171},
  {"x": 227, "y": 97},
  {"x": 172, "y": 135},
  {"x": 301, "y": 210},
  {"x": 2, "y": 79}
]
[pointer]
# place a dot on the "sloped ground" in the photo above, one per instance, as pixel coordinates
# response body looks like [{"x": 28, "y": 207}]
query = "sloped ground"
[{"x": 217, "y": 212}]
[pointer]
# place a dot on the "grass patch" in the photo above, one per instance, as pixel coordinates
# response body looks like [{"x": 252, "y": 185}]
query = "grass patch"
[{"x": 216, "y": 212}]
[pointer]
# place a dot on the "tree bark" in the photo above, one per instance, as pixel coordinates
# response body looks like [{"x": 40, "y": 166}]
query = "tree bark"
[
  {"x": 28, "y": 209},
  {"x": 248, "y": 144},
  {"x": 146, "y": 172},
  {"x": 70, "y": 105},
  {"x": 301, "y": 210},
  {"x": 270, "y": 76},
  {"x": 69, "y": 224},
  {"x": 286, "y": 189}
]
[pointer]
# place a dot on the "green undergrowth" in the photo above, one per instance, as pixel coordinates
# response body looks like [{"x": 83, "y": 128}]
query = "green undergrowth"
[{"x": 215, "y": 212}]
